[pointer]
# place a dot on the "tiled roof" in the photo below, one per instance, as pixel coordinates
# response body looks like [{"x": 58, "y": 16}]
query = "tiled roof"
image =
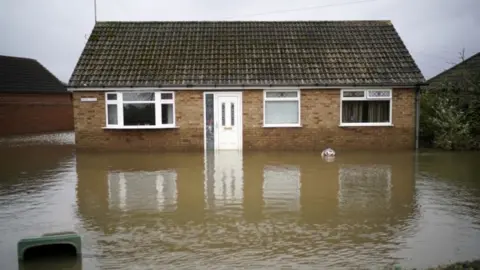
[
  {"x": 27, "y": 75},
  {"x": 469, "y": 67},
  {"x": 207, "y": 53}
]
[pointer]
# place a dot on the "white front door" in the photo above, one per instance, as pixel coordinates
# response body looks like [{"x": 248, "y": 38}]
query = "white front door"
[{"x": 228, "y": 121}]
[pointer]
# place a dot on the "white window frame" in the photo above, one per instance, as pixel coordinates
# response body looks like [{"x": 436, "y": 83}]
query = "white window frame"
[
  {"x": 158, "y": 109},
  {"x": 366, "y": 97},
  {"x": 265, "y": 99}
]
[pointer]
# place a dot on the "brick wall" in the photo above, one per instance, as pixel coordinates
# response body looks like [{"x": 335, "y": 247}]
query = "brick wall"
[
  {"x": 320, "y": 116},
  {"x": 320, "y": 113},
  {"x": 35, "y": 113},
  {"x": 90, "y": 123}
]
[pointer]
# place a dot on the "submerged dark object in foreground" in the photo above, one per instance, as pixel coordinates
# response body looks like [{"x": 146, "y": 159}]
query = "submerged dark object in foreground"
[{"x": 60, "y": 244}]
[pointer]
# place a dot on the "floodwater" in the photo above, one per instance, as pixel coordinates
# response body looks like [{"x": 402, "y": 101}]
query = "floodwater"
[{"x": 228, "y": 210}]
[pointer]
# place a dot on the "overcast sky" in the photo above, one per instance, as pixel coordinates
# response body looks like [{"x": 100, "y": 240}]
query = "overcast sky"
[{"x": 55, "y": 31}]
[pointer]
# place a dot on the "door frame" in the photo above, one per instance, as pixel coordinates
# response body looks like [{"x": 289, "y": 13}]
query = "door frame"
[{"x": 238, "y": 94}]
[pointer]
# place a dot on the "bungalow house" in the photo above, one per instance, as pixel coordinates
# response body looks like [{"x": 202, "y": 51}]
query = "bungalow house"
[
  {"x": 32, "y": 99},
  {"x": 255, "y": 85}
]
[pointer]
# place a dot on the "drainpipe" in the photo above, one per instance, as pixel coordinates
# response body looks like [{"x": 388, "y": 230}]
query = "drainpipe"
[{"x": 417, "y": 115}]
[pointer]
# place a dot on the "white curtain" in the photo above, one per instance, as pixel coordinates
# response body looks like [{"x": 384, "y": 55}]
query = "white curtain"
[{"x": 281, "y": 112}]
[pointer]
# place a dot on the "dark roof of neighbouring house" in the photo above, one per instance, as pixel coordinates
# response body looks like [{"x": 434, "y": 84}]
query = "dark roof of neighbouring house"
[
  {"x": 25, "y": 75},
  {"x": 470, "y": 66},
  {"x": 248, "y": 53}
]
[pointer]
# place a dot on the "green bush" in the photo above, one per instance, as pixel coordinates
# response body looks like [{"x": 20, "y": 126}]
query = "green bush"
[{"x": 468, "y": 265}]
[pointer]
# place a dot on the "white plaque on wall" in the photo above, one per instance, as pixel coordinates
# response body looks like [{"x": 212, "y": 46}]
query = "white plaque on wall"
[{"x": 88, "y": 99}]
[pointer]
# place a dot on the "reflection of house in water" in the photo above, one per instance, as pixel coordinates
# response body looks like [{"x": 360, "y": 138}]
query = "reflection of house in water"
[
  {"x": 251, "y": 185},
  {"x": 302, "y": 183},
  {"x": 139, "y": 182},
  {"x": 142, "y": 190},
  {"x": 377, "y": 189},
  {"x": 278, "y": 188},
  {"x": 223, "y": 179},
  {"x": 364, "y": 186},
  {"x": 281, "y": 188},
  {"x": 191, "y": 198}
]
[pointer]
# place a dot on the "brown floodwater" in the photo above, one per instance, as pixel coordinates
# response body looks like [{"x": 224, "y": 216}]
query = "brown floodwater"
[{"x": 227, "y": 210}]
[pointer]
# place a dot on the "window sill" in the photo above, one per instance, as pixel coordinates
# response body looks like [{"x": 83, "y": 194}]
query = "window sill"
[
  {"x": 366, "y": 125},
  {"x": 283, "y": 126},
  {"x": 143, "y": 127}
]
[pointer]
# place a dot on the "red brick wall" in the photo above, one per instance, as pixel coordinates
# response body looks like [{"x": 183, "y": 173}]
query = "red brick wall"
[
  {"x": 35, "y": 113},
  {"x": 320, "y": 113}
]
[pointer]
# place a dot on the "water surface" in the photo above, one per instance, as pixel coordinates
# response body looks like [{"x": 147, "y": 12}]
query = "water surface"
[{"x": 227, "y": 210}]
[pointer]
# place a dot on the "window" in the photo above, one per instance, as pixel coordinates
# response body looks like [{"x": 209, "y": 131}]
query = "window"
[
  {"x": 281, "y": 108},
  {"x": 140, "y": 110},
  {"x": 366, "y": 107}
]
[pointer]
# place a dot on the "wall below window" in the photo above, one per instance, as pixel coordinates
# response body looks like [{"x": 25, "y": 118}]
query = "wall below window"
[
  {"x": 320, "y": 119},
  {"x": 35, "y": 113}
]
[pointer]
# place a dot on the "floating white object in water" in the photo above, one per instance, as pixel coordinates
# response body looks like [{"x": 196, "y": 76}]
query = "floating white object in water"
[{"x": 328, "y": 152}]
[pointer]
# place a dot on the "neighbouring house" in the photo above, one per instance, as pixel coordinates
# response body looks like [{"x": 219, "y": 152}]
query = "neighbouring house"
[
  {"x": 32, "y": 100},
  {"x": 460, "y": 73},
  {"x": 452, "y": 99},
  {"x": 254, "y": 85}
]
